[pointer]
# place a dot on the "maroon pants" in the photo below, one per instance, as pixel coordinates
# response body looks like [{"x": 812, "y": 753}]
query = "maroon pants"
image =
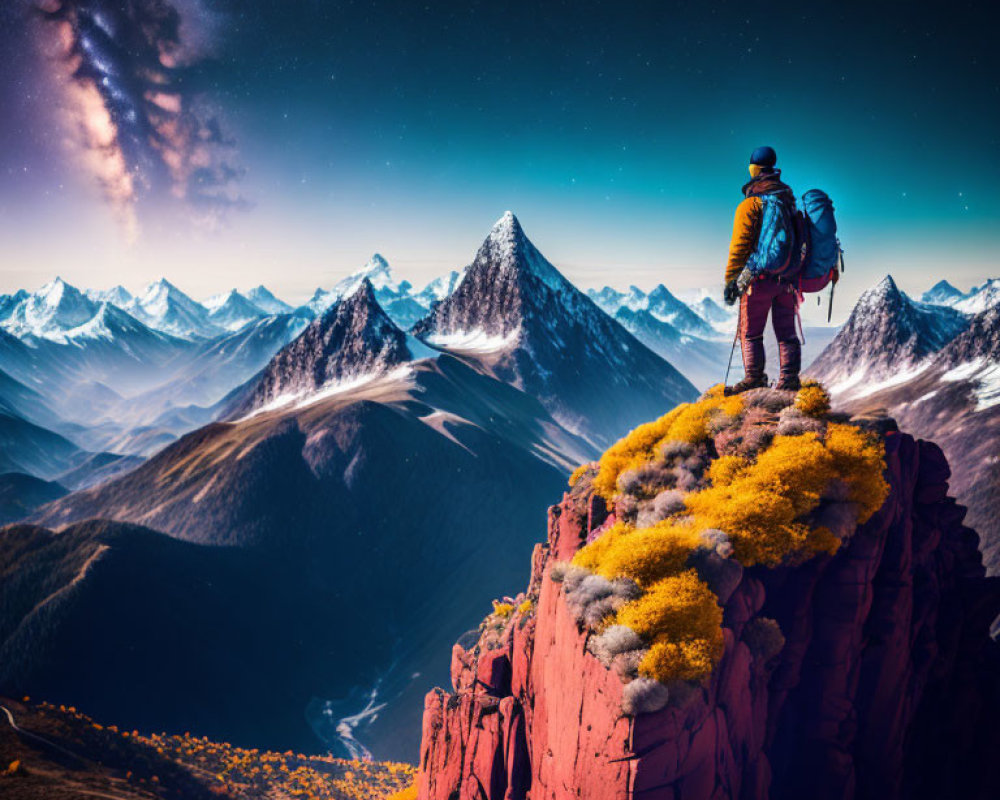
[{"x": 768, "y": 296}]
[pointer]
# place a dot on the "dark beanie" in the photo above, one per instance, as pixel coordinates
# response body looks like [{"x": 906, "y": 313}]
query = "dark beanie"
[{"x": 764, "y": 156}]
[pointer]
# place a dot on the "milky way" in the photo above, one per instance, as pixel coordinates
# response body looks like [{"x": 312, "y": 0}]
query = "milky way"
[{"x": 137, "y": 119}]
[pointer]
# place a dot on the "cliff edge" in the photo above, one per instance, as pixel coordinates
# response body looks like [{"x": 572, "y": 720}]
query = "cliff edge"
[{"x": 748, "y": 598}]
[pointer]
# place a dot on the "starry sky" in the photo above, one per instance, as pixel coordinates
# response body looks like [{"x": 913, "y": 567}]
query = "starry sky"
[{"x": 235, "y": 142}]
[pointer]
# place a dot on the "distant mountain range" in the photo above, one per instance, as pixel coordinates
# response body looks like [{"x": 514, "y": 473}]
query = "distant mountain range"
[{"x": 392, "y": 474}]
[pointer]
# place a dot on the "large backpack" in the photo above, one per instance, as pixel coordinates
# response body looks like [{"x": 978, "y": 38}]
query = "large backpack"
[
  {"x": 821, "y": 254},
  {"x": 777, "y": 251}
]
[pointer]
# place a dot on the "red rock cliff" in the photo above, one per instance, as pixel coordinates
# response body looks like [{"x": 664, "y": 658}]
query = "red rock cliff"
[{"x": 886, "y": 686}]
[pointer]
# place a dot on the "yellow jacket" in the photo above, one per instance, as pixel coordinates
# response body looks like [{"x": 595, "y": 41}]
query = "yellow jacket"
[{"x": 746, "y": 229}]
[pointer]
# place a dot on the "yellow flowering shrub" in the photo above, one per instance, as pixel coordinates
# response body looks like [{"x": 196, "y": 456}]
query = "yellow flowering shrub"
[
  {"x": 762, "y": 501},
  {"x": 409, "y": 793},
  {"x": 525, "y": 607},
  {"x": 643, "y": 554},
  {"x": 758, "y": 506},
  {"x": 681, "y": 616},
  {"x": 858, "y": 459},
  {"x": 725, "y": 469},
  {"x": 686, "y": 423},
  {"x": 635, "y": 449},
  {"x": 812, "y": 399},
  {"x": 502, "y": 610},
  {"x": 688, "y": 660},
  {"x": 578, "y": 473}
]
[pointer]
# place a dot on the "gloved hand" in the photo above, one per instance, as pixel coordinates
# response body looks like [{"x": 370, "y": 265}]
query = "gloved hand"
[{"x": 731, "y": 293}]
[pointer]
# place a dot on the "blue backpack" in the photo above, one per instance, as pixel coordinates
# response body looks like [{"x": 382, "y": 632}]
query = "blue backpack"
[
  {"x": 778, "y": 245},
  {"x": 821, "y": 254}
]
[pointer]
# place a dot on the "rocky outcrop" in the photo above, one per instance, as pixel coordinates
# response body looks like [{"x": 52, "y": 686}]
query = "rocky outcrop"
[{"x": 886, "y": 684}]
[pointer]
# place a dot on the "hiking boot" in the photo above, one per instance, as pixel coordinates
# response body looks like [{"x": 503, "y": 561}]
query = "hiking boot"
[
  {"x": 748, "y": 383},
  {"x": 790, "y": 357},
  {"x": 753, "y": 366}
]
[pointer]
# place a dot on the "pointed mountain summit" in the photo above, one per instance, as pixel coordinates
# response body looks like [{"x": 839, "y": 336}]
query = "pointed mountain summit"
[
  {"x": 113, "y": 324},
  {"x": 710, "y": 311},
  {"x": 610, "y": 300},
  {"x": 499, "y": 287},
  {"x": 439, "y": 288},
  {"x": 264, "y": 299},
  {"x": 660, "y": 302},
  {"x": 887, "y": 336},
  {"x": 667, "y": 308},
  {"x": 941, "y": 293},
  {"x": 234, "y": 311},
  {"x": 517, "y": 316},
  {"x": 353, "y": 339},
  {"x": 377, "y": 272},
  {"x": 51, "y": 311},
  {"x": 116, "y": 295},
  {"x": 164, "y": 307}
]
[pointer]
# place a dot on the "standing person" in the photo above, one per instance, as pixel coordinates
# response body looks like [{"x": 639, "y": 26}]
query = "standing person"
[{"x": 764, "y": 294}]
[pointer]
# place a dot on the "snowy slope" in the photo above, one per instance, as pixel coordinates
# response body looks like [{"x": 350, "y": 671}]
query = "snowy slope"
[
  {"x": 264, "y": 299},
  {"x": 439, "y": 288},
  {"x": 980, "y": 298},
  {"x": 164, "y": 307},
  {"x": 50, "y": 312},
  {"x": 942, "y": 293},
  {"x": 232, "y": 311},
  {"x": 117, "y": 295},
  {"x": 377, "y": 272}
]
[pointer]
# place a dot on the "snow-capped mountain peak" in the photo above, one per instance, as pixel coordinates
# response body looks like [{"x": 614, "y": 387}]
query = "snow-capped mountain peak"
[
  {"x": 515, "y": 313},
  {"x": 509, "y": 249},
  {"x": 379, "y": 274},
  {"x": 116, "y": 295},
  {"x": 609, "y": 300},
  {"x": 635, "y": 299},
  {"x": 710, "y": 311},
  {"x": 440, "y": 288},
  {"x": 50, "y": 311},
  {"x": 264, "y": 299},
  {"x": 352, "y": 340},
  {"x": 233, "y": 311},
  {"x": 164, "y": 307},
  {"x": 941, "y": 293},
  {"x": 158, "y": 287},
  {"x": 887, "y": 337},
  {"x": 376, "y": 271},
  {"x": 882, "y": 294}
]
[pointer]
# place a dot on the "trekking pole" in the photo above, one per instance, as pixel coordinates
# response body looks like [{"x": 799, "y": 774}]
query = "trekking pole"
[
  {"x": 739, "y": 324},
  {"x": 840, "y": 258}
]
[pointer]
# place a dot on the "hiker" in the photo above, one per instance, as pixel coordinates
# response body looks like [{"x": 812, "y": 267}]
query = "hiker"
[{"x": 763, "y": 288}]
